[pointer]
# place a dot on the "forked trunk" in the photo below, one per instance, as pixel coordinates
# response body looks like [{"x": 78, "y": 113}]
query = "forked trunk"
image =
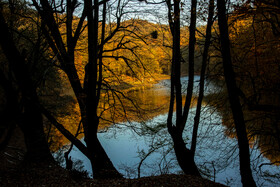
[{"x": 184, "y": 156}]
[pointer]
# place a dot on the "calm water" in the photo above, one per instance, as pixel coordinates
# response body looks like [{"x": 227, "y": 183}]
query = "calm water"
[{"x": 217, "y": 153}]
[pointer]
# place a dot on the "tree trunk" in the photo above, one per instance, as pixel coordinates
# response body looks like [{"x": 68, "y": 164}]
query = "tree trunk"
[
  {"x": 11, "y": 111},
  {"x": 101, "y": 163},
  {"x": 192, "y": 41},
  {"x": 35, "y": 140},
  {"x": 102, "y": 167},
  {"x": 202, "y": 75},
  {"x": 244, "y": 154},
  {"x": 31, "y": 122},
  {"x": 176, "y": 60},
  {"x": 184, "y": 156}
]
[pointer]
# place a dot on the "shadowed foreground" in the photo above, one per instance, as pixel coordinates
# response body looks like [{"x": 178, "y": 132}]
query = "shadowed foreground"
[{"x": 14, "y": 172}]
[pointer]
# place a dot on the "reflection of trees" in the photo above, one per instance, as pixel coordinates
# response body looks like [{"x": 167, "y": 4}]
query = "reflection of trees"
[
  {"x": 147, "y": 103},
  {"x": 254, "y": 46},
  {"x": 262, "y": 127}
]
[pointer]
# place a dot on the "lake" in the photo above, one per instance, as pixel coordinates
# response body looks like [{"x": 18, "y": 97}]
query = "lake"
[{"x": 128, "y": 143}]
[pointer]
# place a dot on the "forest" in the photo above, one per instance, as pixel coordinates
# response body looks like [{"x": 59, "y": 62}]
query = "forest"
[{"x": 140, "y": 92}]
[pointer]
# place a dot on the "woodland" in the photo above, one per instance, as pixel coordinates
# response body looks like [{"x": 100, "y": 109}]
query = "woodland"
[{"x": 68, "y": 69}]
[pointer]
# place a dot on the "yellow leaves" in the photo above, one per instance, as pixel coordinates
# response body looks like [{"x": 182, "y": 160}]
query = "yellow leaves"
[
  {"x": 80, "y": 62},
  {"x": 239, "y": 27}
]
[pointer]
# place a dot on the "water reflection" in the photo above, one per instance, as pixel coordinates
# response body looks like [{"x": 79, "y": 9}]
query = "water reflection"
[
  {"x": 263, "y": 126},
  {"x": 217, "y": 154}
]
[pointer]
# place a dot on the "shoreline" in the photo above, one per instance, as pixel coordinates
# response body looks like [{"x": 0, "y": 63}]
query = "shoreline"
[{"x": 128, "y": 84}]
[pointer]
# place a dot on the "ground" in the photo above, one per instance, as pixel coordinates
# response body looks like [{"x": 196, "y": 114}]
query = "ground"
[
  {"x": 14, "y": 172},
  {"x": 57, "y": 176}
]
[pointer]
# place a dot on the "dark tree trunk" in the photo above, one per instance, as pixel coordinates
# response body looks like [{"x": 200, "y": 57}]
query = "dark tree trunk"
[
  {"x": 183, "y": 154},
  {"x": 31, "y": 121},
  {"x": 35, "y": 140},
  {"x": 101, "y": 164},
  {"x": 244, "y": 154},
  {"x": 176, "y": 60},
  {"x": 11, "y": 111},
  {"x": 202, "y": 75},
  {"x": 192, "y": 41}
]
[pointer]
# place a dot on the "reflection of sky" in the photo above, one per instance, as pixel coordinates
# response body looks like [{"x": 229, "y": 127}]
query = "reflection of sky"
[{"x": 214, "y": 149}]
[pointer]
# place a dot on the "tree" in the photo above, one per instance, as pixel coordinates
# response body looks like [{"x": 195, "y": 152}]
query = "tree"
[
  {"x": 244, "y": 155},
  {"x": 202, "y": 74},
  {"x": 88, "y": 94},
  {"x": 89, "y": 88},
  {"x": 27, "y": 116},
  {"x": 184, "y": 155}
]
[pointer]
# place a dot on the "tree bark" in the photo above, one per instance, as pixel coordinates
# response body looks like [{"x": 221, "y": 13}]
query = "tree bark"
[{"x": 244, "y": 154}]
